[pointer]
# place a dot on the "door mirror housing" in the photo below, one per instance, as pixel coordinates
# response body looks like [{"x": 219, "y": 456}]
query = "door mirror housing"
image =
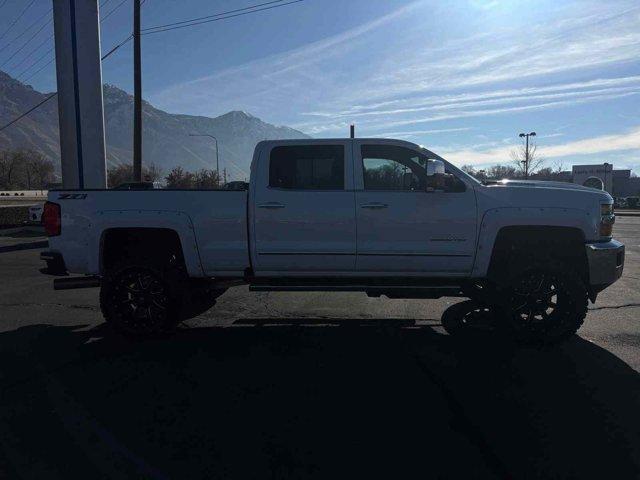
[
  {"x": 435, "y": 168},
  {"x": 435, "y": 175}
]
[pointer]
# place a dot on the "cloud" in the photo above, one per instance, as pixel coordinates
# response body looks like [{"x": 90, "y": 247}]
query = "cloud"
[{"x": 604, "y": 144}]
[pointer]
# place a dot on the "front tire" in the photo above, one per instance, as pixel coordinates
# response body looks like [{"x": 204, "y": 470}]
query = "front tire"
[{"x": 545, "y": 305}]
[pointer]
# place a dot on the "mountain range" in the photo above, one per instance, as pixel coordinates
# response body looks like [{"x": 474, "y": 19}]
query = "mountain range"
[{"x": 165, "y": 136}]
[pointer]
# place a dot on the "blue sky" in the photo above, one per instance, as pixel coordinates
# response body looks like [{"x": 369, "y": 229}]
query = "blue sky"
[{"x": 460, "y": 77}]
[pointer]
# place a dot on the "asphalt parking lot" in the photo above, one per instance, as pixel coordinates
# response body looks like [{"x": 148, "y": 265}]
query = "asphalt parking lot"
[{"x": 268, "y": 385}]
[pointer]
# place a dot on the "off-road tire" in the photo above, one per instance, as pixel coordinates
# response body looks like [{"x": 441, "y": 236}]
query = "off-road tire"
[
  {"x": 558, "y": 288},
  {"x": 142, "y": 299}
]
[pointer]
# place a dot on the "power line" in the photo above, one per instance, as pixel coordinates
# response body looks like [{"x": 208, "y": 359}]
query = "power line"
[
  {"x": 221, "y": 16},
  {"x": 21, "y": 116},
  {"x": 24, "y": 59},
  {"x": 38, "y": 70},
  {"x": 114, "y": 49},
  {"x": 27, "y": 29},
  {"x": 113, "y": 10},
  {"x": 16, "y": 20},
  {"x": 24, "y": 44},
  {"x": 28, "y": 111},
  {"x": 211, "y": 16},
  {"x": 46, "y": 40}
]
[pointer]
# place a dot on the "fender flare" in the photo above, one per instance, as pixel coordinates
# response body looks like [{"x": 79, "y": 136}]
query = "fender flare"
[
  {"x": 497, "y": 218},
  {"x": 177, "y": 221}
]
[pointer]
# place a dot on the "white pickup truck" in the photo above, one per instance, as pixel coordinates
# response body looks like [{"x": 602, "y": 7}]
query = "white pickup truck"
[{"x": 384, "y": 217}]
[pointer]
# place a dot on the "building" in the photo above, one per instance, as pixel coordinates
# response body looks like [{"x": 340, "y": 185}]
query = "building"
[{"x": 619, "y": 183}]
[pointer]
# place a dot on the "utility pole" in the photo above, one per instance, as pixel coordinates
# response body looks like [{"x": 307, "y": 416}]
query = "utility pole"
[
  {"x": 217, "y": 158},
  {"x": 137, "y": 95},
  {"x": 525, "y": 162}
]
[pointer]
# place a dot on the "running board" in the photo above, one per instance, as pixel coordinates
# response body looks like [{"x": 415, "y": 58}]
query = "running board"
[{"x": 408, "y": 291}]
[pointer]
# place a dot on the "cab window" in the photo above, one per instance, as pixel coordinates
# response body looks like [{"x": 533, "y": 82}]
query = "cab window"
[
  {"x": 307, "y": 167},
  {"x": 390, "y": 167}
]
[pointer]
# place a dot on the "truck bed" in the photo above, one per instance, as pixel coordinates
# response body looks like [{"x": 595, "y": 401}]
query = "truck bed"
[{"x": 211, "y": 224}]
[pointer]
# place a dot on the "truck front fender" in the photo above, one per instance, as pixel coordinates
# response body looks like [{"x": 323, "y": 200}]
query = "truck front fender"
[{"x": 495, "y": 219}]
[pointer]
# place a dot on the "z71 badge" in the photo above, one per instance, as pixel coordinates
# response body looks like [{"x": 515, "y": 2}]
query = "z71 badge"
[{"x": 72, "y": 196}]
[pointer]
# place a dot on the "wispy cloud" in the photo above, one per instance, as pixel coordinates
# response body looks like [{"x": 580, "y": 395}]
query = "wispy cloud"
[
  {"x": 628, "y": 141},
  {"x": 406, "y": 71}
]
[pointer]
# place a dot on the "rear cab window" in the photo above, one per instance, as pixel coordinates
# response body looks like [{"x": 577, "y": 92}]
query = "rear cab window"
[{"x": 307, "y": 167}]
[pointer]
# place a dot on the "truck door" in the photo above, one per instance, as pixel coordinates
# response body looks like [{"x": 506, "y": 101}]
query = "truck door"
[
  {"x": 303, "y": 209},
  {"x": 402, "y": 225}
]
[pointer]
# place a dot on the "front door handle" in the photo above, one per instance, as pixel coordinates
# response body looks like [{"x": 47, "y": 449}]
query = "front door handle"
[
  {"x": 271, "y": 205},
  {"x": 374, "y": 205}
]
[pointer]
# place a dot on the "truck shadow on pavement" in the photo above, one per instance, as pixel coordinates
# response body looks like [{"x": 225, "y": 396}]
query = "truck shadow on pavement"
[{"x": 321, "y": 398}]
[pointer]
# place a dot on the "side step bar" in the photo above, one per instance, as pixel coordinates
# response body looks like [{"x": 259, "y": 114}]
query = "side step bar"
[
  {"x": 91, "y": 281},
  {"x": 395, "y": 291}
]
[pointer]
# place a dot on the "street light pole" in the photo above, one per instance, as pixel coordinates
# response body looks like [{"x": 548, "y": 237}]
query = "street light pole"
[
  {"x": 217, "y": 158},
  {"x": 526, "y": 152}
]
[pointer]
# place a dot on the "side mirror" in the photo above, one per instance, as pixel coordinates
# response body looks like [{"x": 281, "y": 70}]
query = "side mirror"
[
  {"x": 435, "y": 175},
  {"x": 435, "y": 168}
]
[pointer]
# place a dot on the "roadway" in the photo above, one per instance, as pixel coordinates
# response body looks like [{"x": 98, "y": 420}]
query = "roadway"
[{"x": 310, "y": 386}]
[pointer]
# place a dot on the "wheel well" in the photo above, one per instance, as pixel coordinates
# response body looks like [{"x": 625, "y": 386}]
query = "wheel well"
[
  {"x": 160, "y": 246},
  {"x": 516, "y": 246}
]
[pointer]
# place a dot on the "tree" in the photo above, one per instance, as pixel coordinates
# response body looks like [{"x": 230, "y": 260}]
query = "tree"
[
  {"x": 498, "y": 172},
  {"x": 8, "y": 167},
  {"x": 123, "y": 173},
  {"x": 524, "y": 165},
  {"x": 24, "y": 170},
  {"x": 206, "y": 179},
  {"x": 38, "y": 170},
  {"x": 179, "y": 178},
  {"x": 478, "y": 174}
]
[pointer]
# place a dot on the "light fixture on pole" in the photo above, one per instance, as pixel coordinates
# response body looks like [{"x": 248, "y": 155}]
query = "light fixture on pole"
[{"x": 525, "y": 162}]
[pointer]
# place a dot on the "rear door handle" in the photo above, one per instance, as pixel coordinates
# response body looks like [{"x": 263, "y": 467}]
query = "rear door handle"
[
  {"x": 271, "y": 205},
  {"x": 374, "y": 205}
]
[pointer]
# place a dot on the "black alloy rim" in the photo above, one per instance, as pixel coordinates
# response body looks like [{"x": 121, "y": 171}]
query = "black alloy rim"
[{"x": 141, "y": 301}]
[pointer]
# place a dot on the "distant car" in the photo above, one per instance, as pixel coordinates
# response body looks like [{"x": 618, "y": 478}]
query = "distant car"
[
  {"x": 35, "y": 213},
  {"x": 620, "y": 202}
]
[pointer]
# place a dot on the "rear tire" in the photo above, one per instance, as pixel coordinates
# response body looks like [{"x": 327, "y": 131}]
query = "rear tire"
[{"x": 142, "y": 300}]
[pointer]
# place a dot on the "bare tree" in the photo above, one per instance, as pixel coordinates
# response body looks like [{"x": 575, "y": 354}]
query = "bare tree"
[
  {"x": 38, "y": 170},
  {"x": 499, "y": 172},
  {"x": 179, "y": 178},
  {"x": 8, "y": 167},
  {"x": 123, "y": 173},
  {"x": 525, "y": 162}
]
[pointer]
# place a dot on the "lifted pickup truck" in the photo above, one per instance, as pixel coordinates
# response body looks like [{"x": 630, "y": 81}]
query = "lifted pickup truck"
[{"x": 384, "y": 217}]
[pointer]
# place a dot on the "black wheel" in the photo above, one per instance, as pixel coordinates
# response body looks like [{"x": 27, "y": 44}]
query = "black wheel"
[
  {"x": 468, "y": 318},
  {"x": 140, "y": 300},
  {"x": 545, "y": 305}
]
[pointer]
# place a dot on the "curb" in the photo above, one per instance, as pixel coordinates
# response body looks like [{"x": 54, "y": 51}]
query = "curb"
[{"x": 25, "y": 228}]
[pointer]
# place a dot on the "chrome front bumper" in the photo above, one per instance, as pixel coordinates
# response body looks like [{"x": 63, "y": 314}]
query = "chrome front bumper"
[{"x": 606, "y": 262}]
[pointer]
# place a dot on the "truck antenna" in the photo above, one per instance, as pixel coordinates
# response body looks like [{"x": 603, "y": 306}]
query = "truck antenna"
[{"x": 353, "y": 131}]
